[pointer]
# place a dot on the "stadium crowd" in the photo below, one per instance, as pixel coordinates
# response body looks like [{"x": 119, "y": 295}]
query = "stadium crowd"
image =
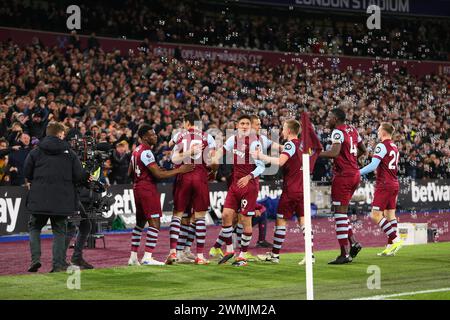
[
  {"x": 229, "y": 24},
  {"x": 108, "y": 95}
]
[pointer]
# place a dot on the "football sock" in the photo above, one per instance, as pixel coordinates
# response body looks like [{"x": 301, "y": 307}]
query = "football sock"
[
  {"x": 278, "y": 239},
  {"x": 181, "y": 243},
  {"x": 136, "y": 238},
  {"x": 393, "y": 223},
  {"x": 200, "y": 234},
  {"x": 152, "y": 239},
  {"x": 245, "y": 241},
  {"x": 342, "y": 231},
  {"x": 191, "y": 236},
  {"x": 387, "y": 229},
  {"x": 227, "y": 232},
  {"x": 239, "y": 230},
  {"x": 220, "y": 241},
  {"x": 174, "y": 232}
]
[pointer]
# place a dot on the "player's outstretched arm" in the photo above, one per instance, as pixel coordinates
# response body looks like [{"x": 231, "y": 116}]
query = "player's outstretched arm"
[
  {"x": 216, "y": 156},
  {"x": 214, "y": 166},
  {"x": 178, "y": 157},
  {"x": 372, "y": 166},
  {"x": 380, "y": 152},
  {"x": 159, "y": 173},
  {"x": 277, "y": 146},
  {"x": 278, "y": 161},
  {"x": 333, "y": 152},
  {"x": 260, "y": 167}
]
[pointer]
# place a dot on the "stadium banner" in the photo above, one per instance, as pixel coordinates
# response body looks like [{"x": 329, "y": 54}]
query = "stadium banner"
[
  {"x": 418, "y": 195},
  {"x": 438, "y": 8},
  {"x": 414, "y": 195},
  {"x": 12, "y": 210},
  {"x": 230, "y": 55}
]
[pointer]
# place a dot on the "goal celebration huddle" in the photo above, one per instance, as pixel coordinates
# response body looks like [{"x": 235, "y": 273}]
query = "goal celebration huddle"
[{"x": 196, "y": 157}]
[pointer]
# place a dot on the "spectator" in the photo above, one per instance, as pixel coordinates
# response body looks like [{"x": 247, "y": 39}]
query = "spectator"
[
  {"x": 3, "y": 121},
  {"x": 93, "y": 42},
  {"x": 4, "y": 168},
  {"x": 37, "y": 124},
  {"x": 17, "y": 161},
  {"x": 14, "y": 133},
  {"x": 120, "y": 161}
]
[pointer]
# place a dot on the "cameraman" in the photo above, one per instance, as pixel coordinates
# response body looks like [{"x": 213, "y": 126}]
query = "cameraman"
[{"x": 51, "y": 170}]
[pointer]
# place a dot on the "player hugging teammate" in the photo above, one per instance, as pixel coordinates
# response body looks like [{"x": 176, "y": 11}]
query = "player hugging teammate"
[
  {"x": 191, "y": 192},
  {"x": 243, "y": 189},
  {"x": 144, "y": 171}
]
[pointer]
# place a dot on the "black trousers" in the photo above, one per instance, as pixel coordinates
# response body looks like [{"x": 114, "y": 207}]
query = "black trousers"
[
  {"x": 261, "y": 221},
  {"x": 84, "y": 229},
  {"x": 36, "y": 223}
]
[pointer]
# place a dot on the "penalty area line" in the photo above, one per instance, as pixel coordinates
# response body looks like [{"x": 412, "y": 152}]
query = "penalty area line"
[{"x": 387, "y": 296}]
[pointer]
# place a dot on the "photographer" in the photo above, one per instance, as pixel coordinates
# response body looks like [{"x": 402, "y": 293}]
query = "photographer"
[{"x": 52, "y": 170}]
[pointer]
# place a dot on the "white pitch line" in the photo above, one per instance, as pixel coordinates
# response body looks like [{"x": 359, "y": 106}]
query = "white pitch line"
[{"x": 382, "y": 297}]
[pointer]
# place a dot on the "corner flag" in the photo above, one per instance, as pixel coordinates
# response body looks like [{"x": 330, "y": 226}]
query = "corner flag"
[
  {"x": 310, "y": 141},
  {"x": 311, "y": 149}
]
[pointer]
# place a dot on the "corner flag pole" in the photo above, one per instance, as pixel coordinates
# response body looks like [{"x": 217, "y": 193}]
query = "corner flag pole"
[{"x": 308, "y": 228}]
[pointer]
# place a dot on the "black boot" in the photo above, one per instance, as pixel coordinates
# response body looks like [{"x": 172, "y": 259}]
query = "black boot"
[
  {"x": 34, "y": 267},
  {"x": 355, "y": 249},
  {"x": 80, "y": 262},
  {"x": 341, "y": 260}
]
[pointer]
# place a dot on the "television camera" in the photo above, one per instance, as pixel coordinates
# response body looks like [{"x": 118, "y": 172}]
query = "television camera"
[{"x": 93, "y": 193}]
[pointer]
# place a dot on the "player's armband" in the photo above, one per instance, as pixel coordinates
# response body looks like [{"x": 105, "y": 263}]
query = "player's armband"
[
  {"x": 147, "y": 157},
  {"x": 288, "y": 149},
  {"x": 337, "y": 136},
  {"x": 380, "y": 151}
]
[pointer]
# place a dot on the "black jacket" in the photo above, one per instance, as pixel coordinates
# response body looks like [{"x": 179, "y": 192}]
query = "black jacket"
[
  {"x": 17, "y": 160},
  {"x": 53, "y": 170},
  {"x": 120, "y": 164}
]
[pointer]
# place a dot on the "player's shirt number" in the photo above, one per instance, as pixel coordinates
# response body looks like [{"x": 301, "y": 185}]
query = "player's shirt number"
[
  {"x": 394, "y": 162},
  {"x": 187, "y": 147},
  {"x": 135, "y": 167},
  {"x": 353, "y": 149}
]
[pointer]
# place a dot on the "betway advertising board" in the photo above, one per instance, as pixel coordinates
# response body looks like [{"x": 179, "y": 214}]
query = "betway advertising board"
[{"x": 414, "y": 195}]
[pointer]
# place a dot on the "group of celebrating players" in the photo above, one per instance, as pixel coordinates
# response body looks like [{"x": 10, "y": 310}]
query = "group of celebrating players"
[{"x": 196, "y": 158}]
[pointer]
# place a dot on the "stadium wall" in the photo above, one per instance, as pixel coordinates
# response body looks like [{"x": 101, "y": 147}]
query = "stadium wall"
[
  {"x": 415, "y": 196},
  {"x": 229, "y": 55}
]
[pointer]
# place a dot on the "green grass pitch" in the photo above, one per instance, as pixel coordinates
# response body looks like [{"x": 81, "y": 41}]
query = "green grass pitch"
[{"x": 415, "y": 268}]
